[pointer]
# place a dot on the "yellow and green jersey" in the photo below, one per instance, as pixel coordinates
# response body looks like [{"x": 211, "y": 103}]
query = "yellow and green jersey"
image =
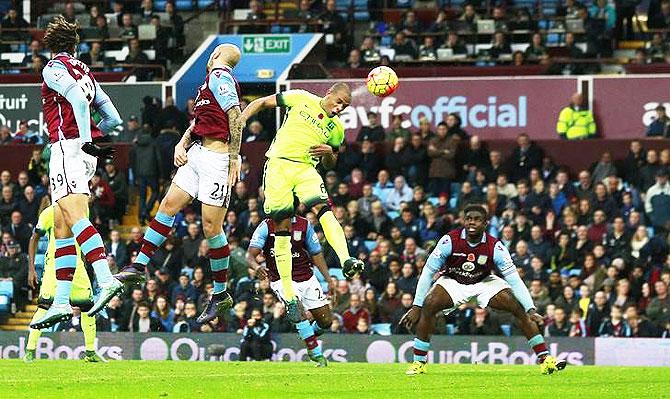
[
  {"x": 81, "y": 289},
  {"x": 305, "y": 124}
]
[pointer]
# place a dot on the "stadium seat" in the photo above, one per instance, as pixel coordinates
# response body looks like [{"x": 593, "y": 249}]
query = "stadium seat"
[
  {"x": 650, "y": 231},
  {"x": 383, "y": 329},
  {"x": 370, "y": 245},
  {"x": 336, "y": 272},
  {"x": 452, "y": 202},
  {"x": 392, "y": 214},
  {"x": 160, "y": 4},
  {"x": 434, "y": 200},
  {"x": 6, "y": 294},
  {"x": 204, "y": 3},
  {"x": 184, "y": 5}
]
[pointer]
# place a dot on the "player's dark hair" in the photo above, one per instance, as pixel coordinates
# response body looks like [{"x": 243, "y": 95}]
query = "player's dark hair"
[
  {"x": 476, "y": 208},
  {"x": 61, "y": 36}
]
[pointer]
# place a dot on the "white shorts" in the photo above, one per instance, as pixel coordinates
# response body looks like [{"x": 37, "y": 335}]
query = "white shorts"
[
  {"x": 309, "y": 293},
  {"x": 70, "y": 169},
  {"x": 205, "y": 176},
  {"x": 482, "y": 291}
]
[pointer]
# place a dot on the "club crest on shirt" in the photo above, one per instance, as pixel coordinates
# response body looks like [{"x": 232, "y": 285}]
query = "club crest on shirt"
[
  {"x": 482, "y": 259},
  {"x": 297, "y": 235},
  {"x": 468, "y": 266},
  {"x": 471, "y": 257}
]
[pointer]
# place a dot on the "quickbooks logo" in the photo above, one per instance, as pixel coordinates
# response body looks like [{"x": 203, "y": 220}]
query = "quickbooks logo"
[
  {"x": 478, "y": 115},
  {"x": 382, "y": 351},
  {"x": 47, "y": 349}
]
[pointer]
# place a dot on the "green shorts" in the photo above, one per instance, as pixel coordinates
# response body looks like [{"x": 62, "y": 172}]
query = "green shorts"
[
  {"x": 81, "y": 293},
  {"x": 283, "y": 180}
]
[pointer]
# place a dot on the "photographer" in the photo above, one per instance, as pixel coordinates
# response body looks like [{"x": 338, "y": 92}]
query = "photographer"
[{"x": 255, "y": 343}]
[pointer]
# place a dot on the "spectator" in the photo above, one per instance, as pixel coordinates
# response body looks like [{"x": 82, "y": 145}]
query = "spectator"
[
  {"x": 396, "y": 130},
  {"x": 560, "y": 327},
  {"x": 469, "y": 17},
  {"x": 657, "y": 21},
  {"x": 14, "y": 265},
  {"x": 117, "y": 248},
  {"x": 163, "y": 313},
  {"x": 536, "y": 52},
  {"x": 403, "y": 47},
  {"x": 335, "y": 25},
  {"x": 483, "y": 324},
  {"x": 455, "y": 44},
  {"x": 19, "y": 229},
  {"x": 29, "y": 206},
  {"x": 12, "y": 24},
  {"x": 428, "y": 50},
  {"x": 401, "y": 193},
  {"x": 137, "y": 57},
  {"x": 354, "y": 60},
  {"x": 442, "y": 150},
  {"x": 373, "y": 131},
  {"x": 370, "y": 51},
  {"x": 409, "y": 24},
  {"x": 576, "y": 122},
  {"x": 36, "y": 49},
  {"x": 128, "y": 28},
  {"x": 658, "y": 309},
  {"x": 660, "y": 126},
  {"x": 525, "y": 157},
  {"x": 657, "y": 200},
  {"x": 147, "y": 10},
  {"x": 615, "y": 325},
  {"x": 147, "y": 166},
  {"x": 605, "y": 12},
  {"x": 441, "y": 23},
  {"x": 255, "y": 133},
  {"x": 499, "y": 45},
  {"x": 353, "y": 313},
  {"x": 145, "y": 322},
  {"x": 370, "y": 161},
  {"x": 160, "y": 43}
]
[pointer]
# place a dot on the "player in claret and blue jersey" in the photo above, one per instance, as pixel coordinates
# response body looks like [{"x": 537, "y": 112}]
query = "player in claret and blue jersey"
[
  {"x": 208, "y": 157},
  {"x": 69, "y": 91},
  {"x": 306, "y": 253},
  {"x": 466, "y": 259}
]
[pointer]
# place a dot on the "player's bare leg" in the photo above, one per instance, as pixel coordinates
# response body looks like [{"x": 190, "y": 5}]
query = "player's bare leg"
[
  {"x": 504, "y": 300},
  {"x": 310, "y": 331},
  {"x": 156, "y": 234},
  {"x": 219, "y": 255},
  {"x": 335, "y": 237},
  {"x": 437, "y": 300}
]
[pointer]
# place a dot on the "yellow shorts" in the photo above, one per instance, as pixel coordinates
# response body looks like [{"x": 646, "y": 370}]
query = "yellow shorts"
[
  {"x": 283, "y": 179},
  {"x": 81, "y": 285}
]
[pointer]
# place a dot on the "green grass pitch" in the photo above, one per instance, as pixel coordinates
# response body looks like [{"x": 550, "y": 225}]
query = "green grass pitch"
[{"x": 197, "y": 380}]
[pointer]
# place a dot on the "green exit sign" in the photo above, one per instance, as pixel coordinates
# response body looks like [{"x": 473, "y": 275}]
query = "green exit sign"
[{"x": 266, "y": 44}]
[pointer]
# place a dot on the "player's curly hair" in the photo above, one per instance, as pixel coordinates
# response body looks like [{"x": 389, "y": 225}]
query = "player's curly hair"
[
  {"x": 61, "y": 36},
  {"x": 476, "y": 208}
]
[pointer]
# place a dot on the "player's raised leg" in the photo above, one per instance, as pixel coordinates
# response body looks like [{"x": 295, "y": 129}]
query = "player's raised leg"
[
  {"x": 219, "y": 257},
  {"x": 159, "y": 228},
  {"x": 437, "y": 300},
  {"x": 505, "y": 300}
]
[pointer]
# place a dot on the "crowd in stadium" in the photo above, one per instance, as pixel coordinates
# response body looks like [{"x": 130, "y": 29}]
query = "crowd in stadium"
[
  {"x": 593, "y": 248},
  {"x": 518, "y": 33}
]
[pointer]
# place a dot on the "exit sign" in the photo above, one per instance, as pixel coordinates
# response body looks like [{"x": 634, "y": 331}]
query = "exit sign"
[{"x": 266, "y": 44}]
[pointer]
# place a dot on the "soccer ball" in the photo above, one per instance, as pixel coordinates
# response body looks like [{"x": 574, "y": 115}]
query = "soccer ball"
[{"x": 382, "y": 81}]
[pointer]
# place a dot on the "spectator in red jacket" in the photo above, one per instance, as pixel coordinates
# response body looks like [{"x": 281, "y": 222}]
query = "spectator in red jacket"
[
  {"x": 356, "y": 311},
  {"x": 102, "y": 198}
]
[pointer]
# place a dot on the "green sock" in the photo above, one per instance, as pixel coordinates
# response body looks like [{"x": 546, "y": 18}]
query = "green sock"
[
  {"x": 284, "y": 260},
  {"x": 35, "y": 335},
  {"x": 88, "y": 327},
  {"x": 335, "y": 235}
]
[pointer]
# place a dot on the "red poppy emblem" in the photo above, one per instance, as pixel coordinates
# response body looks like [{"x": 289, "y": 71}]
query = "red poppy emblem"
[
  {"x": 471, "y": 257},
  {"x": 320, "y": 116}
]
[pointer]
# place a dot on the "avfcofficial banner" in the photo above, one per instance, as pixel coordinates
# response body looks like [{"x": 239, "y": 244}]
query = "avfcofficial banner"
[{"x": 493, "y": 108}]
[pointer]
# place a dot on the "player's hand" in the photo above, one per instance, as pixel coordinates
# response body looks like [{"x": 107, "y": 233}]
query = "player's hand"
[
  {"x": 180, "y": 157},
  {"x": 234, "y": 170},
  {"x": 536, "y": 317},
  {"x": 320, "y": 150},
  {"x": 32, "y": 278},
  {"x": 262, "y": 273},
  {"x": 98, "y": 152},
  {"x": 410, "y": 318}
]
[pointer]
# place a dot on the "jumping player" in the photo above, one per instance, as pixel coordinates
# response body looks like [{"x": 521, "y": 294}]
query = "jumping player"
[
  {"x": 466, "y": 259},
  {"x": 306, "y": 254},
  {"x": 69, "y": 91},
  {"x": 311, "y": 133},
  {"x": 81, "y": 295},
  {"x": 207, "y": 172}
]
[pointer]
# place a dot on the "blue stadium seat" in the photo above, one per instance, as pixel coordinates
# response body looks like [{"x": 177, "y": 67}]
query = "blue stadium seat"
[
  {"x": 452, "y": 202},
  {"x": 6, "y": 295},
  {"x": 434, "y": 200},
  {"x": 184, "y": 5},
  {"x": 370, "y": 245},
  {"x": 393, "y": 214},
  {"x": 381, "y": 329},
  {"x": 336, "y": 272},
  {"x": 650, "y": 231},
  {"x": 160, "y": 5},
  {"x": 204, "y": 3},
  {"x": 553, "y": 38}
]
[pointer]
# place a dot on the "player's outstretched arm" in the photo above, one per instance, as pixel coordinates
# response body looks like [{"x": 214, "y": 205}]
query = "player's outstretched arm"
[
  {"x": 258, "y": 105},
  {"x": 235, "y": 125},
  {"x": 506, "y": 267},
  {"x": 255, "y": 244},
  {"x": 110, "y": 115},
  {"x": 32, "y": 250}
]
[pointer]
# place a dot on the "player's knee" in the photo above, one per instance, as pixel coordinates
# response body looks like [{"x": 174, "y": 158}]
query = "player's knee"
[
  {"x": 324, "y": 321},
  {"x": 320, "y": 209},
  {"x": 430, "y": 307}
]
